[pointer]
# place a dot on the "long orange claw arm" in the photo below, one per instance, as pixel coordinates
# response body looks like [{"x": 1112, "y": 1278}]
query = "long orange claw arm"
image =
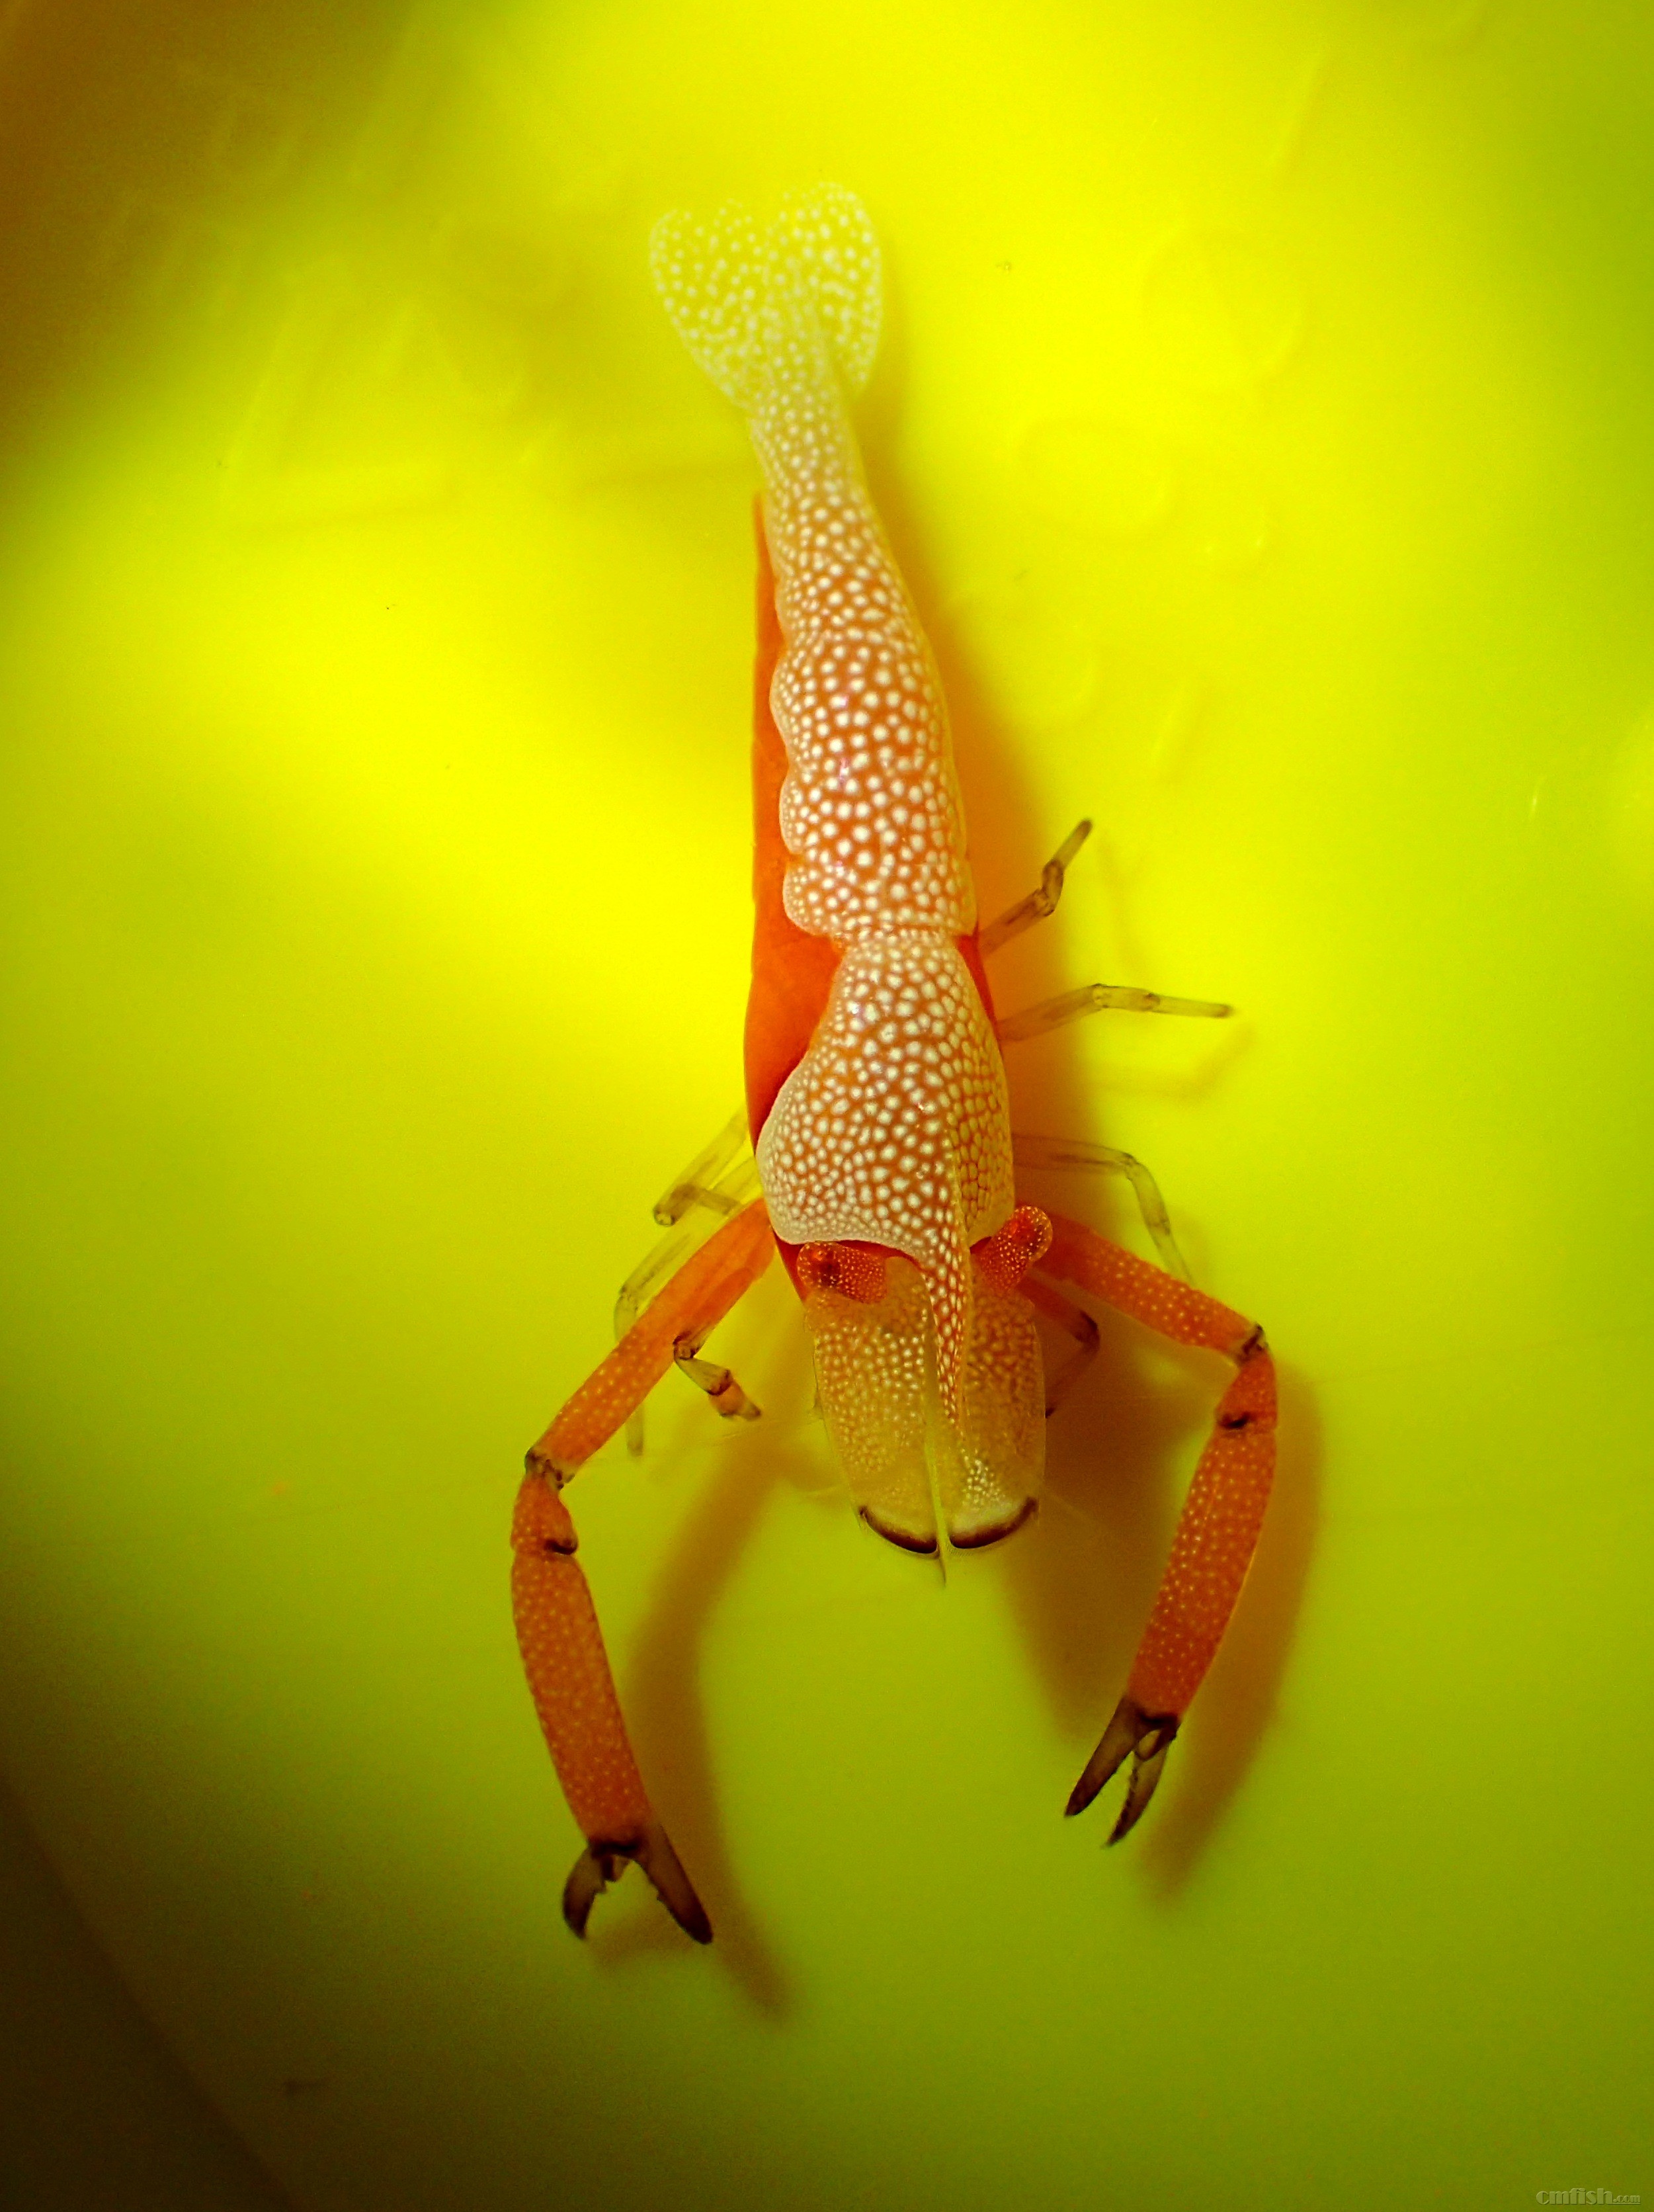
[
  {"x": 573, "y": 1692},
  {"x": 562, "y": 1646},
  {"x": 700, "y": 1293},
  {"x": 1218, "y": 1529}
]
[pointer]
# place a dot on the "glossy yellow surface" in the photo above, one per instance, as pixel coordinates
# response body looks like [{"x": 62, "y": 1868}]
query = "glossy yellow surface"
[{"x": 1264, "y": 423}]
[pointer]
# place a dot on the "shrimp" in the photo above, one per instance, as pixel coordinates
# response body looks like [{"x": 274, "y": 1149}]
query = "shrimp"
[{"x": 877, "y": 1101}]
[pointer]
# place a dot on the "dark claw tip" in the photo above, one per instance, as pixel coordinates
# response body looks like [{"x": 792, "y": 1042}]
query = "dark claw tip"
[
  {"x": 1148, "y": 1737},
  {"x": 603, "y": 1861},
  {"x": 591, "y": 1874}
]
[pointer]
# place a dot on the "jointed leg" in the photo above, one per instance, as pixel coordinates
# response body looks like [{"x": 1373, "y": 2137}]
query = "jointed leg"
[
  {"x": 708, "y": 1180},
  {"x": 1052, "y": 1014},
  {"x": 1078, "y": 1324},
  {"x": 1218, "y": 1529},
  {"x": 1095, "y": 999},
  {"x": 573, "y": 1692},
  {"x": 562, "y": 1646},
  {"x": 1038, "y": 904},
  {"x": 720, "y": 1181},
  {"x": 1030, "y": 1152},
  {"x": 723, "y": 1393}
]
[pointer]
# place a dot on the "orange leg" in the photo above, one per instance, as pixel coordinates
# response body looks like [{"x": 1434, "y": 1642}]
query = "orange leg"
[
  {"x": 562, "y": 1646},
  {"x": 1218, "y": 1529}
]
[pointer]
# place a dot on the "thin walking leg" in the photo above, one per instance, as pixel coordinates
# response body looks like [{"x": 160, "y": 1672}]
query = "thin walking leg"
[
  {"x": 1077, "y": 1323},
  {"x": 707, "y": 1179},
  {"x": 1063, "y": 1152},
  {"x": 1039, "y": 904},
  {"x": 1095, "y": 999},
  {"x": 723, "y": 1393},
  {"x": 720, "y": 1181}
]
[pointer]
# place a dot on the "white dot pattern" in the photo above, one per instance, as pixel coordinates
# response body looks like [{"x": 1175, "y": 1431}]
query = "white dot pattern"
[
  {"x": 869, "y": 809},
  {"x": 994, "y": 1459},
  {"x": 893, "y": 1127},
  {"x": 791, "y": 303},
  {"x": 876, "y": 1367}
]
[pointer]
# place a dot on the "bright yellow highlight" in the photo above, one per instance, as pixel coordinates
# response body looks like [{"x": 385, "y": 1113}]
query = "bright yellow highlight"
[{"x": 1262, "y": 423}]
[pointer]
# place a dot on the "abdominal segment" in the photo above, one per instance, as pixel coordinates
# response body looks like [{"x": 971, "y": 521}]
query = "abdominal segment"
[{"x": 910, "y": 1468}]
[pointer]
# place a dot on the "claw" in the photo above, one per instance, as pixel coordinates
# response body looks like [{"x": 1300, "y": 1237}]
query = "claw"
[
  {"x": 603, "y": 1861},
  {"x": 1148, "y": 1737}
]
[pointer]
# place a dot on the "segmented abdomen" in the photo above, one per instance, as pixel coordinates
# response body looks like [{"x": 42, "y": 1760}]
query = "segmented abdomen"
[
  {"x": 893, "y": 1126},
  {"x": 869, "y": 810}
]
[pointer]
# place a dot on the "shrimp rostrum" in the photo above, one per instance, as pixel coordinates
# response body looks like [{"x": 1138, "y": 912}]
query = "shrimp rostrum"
[{"x": 877, "y": 1101}]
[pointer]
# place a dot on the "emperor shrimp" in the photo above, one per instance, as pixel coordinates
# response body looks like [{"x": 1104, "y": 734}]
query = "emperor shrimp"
[{"x": 877, "y": 1103}]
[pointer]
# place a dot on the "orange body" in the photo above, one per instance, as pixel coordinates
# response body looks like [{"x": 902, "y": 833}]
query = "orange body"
[
  {"x": 875, "y": 1092},
  {"x": 792, "y": 969}
]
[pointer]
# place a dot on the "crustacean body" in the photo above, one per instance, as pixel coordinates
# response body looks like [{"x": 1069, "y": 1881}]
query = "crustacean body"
[{"x": 877, "y": 1099}]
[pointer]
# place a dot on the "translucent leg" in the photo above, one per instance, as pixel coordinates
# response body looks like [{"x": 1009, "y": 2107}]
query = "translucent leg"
[
  {"x": 1077, "y": 1323},
  {"x": 718, "y": 1181},
  {"x": 1038, "y": 904},
  {"x": 1064, "y": 1152},
  {"x": 702, "y": 1182},
  {"x": 1052, "y": 1014},
  {"x": 1096, "y": 998},
  {"x": 723, "y": 1393}
]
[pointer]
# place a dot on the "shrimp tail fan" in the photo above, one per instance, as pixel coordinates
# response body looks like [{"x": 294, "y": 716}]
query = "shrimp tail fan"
[{"x": 758, "y": 307}]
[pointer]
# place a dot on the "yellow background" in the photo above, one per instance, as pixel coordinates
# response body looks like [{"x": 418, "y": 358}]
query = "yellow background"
[{"x": 1264, "y": 423}]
